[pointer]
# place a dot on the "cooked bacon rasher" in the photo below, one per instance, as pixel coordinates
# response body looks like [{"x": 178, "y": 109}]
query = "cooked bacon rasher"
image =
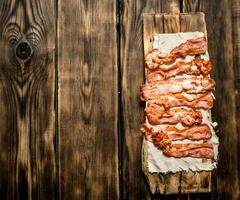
[
  {"x": 196, "y": 67},
  {"x": 193, "y": 85},
  {"x": 174, "y": 100},
  {"x": 195, "y": 150},
  {"x": 163, "y": 140},
  {"x": 159, "y": 115},
  {"x": 196, "y": 132},
  {"x": 191, "y": 47}
]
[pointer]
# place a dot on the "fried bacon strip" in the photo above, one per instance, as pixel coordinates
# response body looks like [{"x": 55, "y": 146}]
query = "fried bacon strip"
[
  {"x": 193, "y": 85},
  {"x": 191, "y": 47},
  {"x": 195, "y": 150},
  {"x": 196, "y": 67},
  {"x": 196, "y": 132},
  {"x": 174, "y": 100},
  {"x": 163, "y": 140},
  {"x": 204, "y": 65},
  {"x": 158, "y": 115}
]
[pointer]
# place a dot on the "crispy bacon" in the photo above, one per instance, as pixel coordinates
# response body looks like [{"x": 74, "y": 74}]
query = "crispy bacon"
[
  {"x": 196, "y": 67},
  {"x": 195, "y": 150},
  {"x": 196, "y": 132},
  {"x": 163, "y": 140},
  {"x": 193, "y": 85},
  {"x": 191, "y": 47},
  {"x": 165, "y": 94},
  {"x": 174, "y": 100},
  {"x": 160, "y": 139},
  {"x": 158, "y": 115}
]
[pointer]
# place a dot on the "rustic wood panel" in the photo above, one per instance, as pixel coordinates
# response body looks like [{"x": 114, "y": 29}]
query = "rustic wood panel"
[
  {"x": 236, "y": 65},
  {"x": 186, "y": 182},
  {"x": 132, "y": 72},
  {"x": 194, "y": 181},
  {"x": 205, "y": 181},
  {"x": 191, "y": 6},
  {"x": 170, "y": 6},
  {"x": 88, "y": 100},
  {"x": 222, "y": 48},
  {"x": 159, "y": 23},
  {"x": 82, "y": 161},
  {"x": 27, "y": 159}
]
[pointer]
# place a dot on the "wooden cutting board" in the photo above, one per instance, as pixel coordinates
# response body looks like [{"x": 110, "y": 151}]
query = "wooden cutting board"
[{"x": 181, "y": 182}]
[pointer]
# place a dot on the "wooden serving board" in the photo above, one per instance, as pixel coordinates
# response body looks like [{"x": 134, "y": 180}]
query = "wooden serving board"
[{"x": 180, "y": 182}]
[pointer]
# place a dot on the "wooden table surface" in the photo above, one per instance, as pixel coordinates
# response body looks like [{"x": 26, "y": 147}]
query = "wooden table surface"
[{"x": 70, "y": 73}]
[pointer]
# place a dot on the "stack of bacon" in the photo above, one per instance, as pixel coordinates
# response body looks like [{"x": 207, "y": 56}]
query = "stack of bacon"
[{"x": 176, "y": 91}]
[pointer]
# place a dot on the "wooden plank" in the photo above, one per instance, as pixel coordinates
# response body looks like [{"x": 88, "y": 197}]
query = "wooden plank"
[
  {"x": 132, "y": 68},
  {"x": 159, "y": 183},
  {"x": 172, "y": 181},
  {"x": 191, "y": 6},
  {"x": 170, "y": 6},
  {"x": 193, "y": 22},
  {"x": 149, "y": 24},
  {"x": 221, "y": 45},
  {"x": 194, "y": 181},
  {"x": 153, "y": 24},
  {"x": 171, "y": 23},
  {"x": 185, "y": 182},
  {"x": 156, "y": 24},
  {"x": 88, "y": 100},
  {"x": 27, "y": 159},
  {"x": 236, "y": 65}
]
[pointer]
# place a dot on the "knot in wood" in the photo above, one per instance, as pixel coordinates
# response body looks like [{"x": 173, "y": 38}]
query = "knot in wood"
[{"x": 23, "y": 50}]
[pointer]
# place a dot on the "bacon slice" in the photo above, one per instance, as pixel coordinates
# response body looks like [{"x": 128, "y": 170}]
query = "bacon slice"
[
  {"x": 196, "y": 132},
  {"x": 163, "y": 140},
  {"x": 193, "y": 85},
  {"x": 196, "y": 67},
  {"x": 158, "y": 115},
  {"x": 174, "y": 100},
  {"x": 195, "y": 150},
  {"x": 204, "y": 65},
  {"x": 159, "y": 139},
  {"x": 191, "y": 47}
]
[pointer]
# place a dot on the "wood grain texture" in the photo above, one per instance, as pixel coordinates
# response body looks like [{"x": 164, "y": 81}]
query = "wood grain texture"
[
  {"x": 132, "y": 70},
  {"x": 223, "y": 52},
  {"x": 170, "y": 6},
  {"x": 171, "y": 23},
  {"x": 153, "y": 24},
  {"x": 191, "y": 6},
  {"x": 88, "y": 100},
  {"x": 170, "y": 183},
  {"x": 27, "y": 159},
  {"x": 194, "y": 181},
  {"x": 82, "y": 160},
  {"x": 236, "y": 65}
]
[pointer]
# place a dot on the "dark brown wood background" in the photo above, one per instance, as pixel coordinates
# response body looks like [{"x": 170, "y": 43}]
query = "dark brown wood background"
[{"x": 70, "y": 73}]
